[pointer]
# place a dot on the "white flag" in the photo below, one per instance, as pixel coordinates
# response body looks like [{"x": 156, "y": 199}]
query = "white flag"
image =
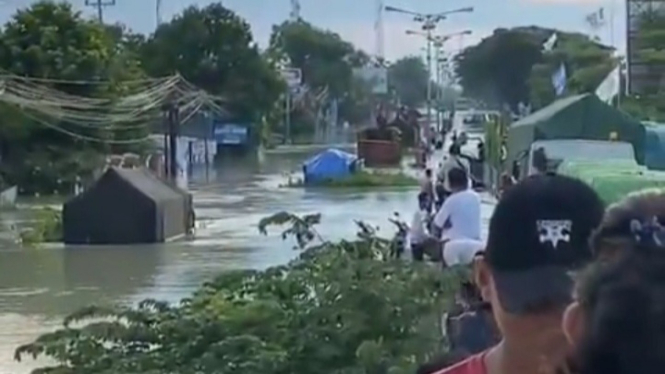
[
  {"x": 609, "y": 87},
  {"x": 550, "y": 43},
  {"x": 559, "y": 79},
  {"x": 596, "y": 19}
]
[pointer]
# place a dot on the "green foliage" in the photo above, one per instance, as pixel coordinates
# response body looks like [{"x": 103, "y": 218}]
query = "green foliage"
[
  {"x": 408, "y": 77},
  {"x": 587, "y": 64},
  {"x": 47, "y": 228},
  {"x": 326, "y": 61},
  {"x": 497, "y": 69},
  {"x": 510, "y": 67},
  {"x": 347, "y": 307},
  {"x": 362, "y": 179},
  {"x": 495, "y": 132},
  {"x": 213, "y": 48},
  {"x": 52, "y": 41}
]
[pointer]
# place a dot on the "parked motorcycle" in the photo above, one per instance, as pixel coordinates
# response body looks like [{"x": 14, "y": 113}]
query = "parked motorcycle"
[{"x": 398, "y": 244}]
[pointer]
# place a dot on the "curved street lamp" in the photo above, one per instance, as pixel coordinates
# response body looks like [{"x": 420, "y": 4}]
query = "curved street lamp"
[{"x": 429, "y": 22}]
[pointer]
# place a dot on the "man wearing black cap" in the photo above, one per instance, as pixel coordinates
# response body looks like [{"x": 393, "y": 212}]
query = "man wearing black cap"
[{"x": 538, "y": 235}]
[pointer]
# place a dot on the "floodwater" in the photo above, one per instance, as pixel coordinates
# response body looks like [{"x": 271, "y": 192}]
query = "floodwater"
[{"x": 40, "y": 286}]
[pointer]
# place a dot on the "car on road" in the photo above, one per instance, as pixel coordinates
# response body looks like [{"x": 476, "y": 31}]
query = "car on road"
[{"x": 474, "y": 122}]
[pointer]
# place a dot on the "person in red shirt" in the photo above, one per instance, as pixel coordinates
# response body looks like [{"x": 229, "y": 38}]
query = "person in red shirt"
[{"x": 538, "y": 234}]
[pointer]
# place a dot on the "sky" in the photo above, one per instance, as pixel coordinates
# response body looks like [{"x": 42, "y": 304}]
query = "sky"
[{"x": 354, "y": 19}]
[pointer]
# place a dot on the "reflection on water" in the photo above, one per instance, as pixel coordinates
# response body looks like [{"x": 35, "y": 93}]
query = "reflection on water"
[{"x": 40, "y": 286}]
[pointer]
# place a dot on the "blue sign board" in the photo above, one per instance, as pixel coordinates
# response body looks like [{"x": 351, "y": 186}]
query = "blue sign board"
[{"x": 231, "y": 134}]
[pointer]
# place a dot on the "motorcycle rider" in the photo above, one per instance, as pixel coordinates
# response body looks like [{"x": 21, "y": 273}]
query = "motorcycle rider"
[{"x": 458, "y": 222}]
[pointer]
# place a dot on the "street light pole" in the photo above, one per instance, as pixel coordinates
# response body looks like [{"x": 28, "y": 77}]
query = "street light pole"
[
  {"x": 437, "y": 80},
  {"x": 429, "y": 77},
  {"x": 429, "y": 22},
  {"x": 437, "y": 42}
]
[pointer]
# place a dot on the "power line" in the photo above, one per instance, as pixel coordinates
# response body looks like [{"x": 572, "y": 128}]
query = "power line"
[{"x": 100, "y": 5}]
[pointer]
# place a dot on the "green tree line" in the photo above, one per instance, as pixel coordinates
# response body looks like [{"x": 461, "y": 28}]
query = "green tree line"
[
  {"x": 211, "y": 47},
  {"x": 511, "y": 67}
]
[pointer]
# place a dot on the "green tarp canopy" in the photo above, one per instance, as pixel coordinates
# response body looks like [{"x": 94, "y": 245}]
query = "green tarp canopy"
[
  {"x": 613, "y": 179},
  {"x": 576, "y": 117}
]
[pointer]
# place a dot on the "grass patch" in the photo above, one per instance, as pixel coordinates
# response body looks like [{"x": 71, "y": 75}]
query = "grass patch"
[{"x": 360, "y": 179}]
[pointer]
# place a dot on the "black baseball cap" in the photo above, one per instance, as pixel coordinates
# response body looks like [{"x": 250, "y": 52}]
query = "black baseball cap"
[{"x": 538, "y": 236}]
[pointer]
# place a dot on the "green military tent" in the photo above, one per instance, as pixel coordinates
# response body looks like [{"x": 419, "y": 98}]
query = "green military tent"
[{"x": 576, "y": 117}]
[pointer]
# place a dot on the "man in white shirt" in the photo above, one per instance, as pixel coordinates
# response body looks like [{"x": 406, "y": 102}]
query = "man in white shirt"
[{"x": 458, "y": 221}]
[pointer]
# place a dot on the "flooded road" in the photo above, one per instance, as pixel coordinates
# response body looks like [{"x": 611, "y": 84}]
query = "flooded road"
[{"x": 39, "y": 286}]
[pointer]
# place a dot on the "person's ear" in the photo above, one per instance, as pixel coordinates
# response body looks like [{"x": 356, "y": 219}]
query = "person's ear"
[
  {"x": 573, "y": 323},
  {"x": 482, "y": 277}
]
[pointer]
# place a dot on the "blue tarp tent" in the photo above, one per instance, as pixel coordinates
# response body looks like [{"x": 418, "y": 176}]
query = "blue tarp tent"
[{"x": 330, "y": 164}]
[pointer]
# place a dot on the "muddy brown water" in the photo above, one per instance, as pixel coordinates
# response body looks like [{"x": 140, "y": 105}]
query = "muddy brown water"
[{"x": 40, "y": 286}]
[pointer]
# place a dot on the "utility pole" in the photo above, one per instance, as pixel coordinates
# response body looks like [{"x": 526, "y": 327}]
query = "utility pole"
[
  {"x": 172, "y": 130},
  {"x": 100, "y": 5},
  {"x": 437, "y": 42},
  {"x": 287, "y": 105},
  {"x": 429, "y": 26},
  {"x": 437, "y": 74},
  {"x": 429, "y": 22}
]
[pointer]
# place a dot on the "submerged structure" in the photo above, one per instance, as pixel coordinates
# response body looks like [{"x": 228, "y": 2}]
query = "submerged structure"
[
  {"x": 332, "y": 164},
  {"x": 127, "y": 206}
]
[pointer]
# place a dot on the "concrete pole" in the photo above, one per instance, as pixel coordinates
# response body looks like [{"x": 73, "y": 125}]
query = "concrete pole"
[{"x": 429, "y": 76}]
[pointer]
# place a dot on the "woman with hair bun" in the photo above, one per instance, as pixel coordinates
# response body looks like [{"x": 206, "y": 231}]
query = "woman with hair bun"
[
  {"x": 616, "y": 324},
  {"x": 613, "y": 236}
]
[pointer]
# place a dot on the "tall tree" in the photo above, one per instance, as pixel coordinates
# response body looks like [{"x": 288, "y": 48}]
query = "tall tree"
[
  {"x": 326, "y": 61},
  {"x": 323, "y": 57},
  {"x": 497, "y": 69},
  {"x": 213, "y": 48},
  {"x": 587, "y": 63},
  {"x": 52, "y": 41},
  {"x": 408, "y": 77},
  {"x": 510, "y": 67}
]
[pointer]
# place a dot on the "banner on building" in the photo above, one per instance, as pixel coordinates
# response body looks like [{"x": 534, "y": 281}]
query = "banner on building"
[{"x": 231, "y": 134}]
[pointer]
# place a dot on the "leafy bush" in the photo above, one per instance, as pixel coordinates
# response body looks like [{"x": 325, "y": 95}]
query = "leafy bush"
[
  {"x": 47, "y": 228},
  {"x": 362, "y": 179},
  {"x": 341, "y": 308}
]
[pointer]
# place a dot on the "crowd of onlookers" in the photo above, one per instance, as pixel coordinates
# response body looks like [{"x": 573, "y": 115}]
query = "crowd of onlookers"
[{"x": 562, "y": 284}]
